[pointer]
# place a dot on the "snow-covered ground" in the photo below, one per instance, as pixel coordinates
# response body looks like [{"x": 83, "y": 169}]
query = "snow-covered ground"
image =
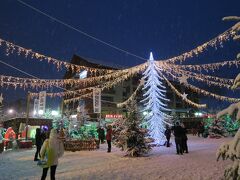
[{"x": 161, "y": 163}]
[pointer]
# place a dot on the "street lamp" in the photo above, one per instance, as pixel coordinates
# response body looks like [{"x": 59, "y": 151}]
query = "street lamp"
[
  {"x": 198, "y": 114},
  {"x": 40, "y": 112},
  {"x": 55, "y": 113},
  {"x": 10, "y": 111}
]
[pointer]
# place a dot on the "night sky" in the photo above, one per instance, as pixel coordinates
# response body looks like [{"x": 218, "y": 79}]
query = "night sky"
[{"x": 167, "y": 28}]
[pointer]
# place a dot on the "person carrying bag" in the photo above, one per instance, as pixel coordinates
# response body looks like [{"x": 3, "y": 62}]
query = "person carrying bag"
[{"x": 51, "y": 150}]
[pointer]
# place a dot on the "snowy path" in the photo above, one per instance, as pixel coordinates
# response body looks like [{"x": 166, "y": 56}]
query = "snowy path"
[{"x": 161, "y": 163}]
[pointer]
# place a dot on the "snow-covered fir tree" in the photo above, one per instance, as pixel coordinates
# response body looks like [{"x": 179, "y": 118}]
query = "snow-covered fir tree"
[
  {"x": 155, "y": 102},
  {"x": 81, "y": 115},
  {"x": 129, "y": 136},
  {"x": 217, "y": 128},
  {"x": 231, "y": 149},
  {"x": 60, "y": 122}
]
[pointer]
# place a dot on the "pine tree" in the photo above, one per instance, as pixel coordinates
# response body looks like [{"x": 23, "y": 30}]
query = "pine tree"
[
  {"x": 60, "y": 122},
  {"x": 155, "y": 102},
  {"x": 130, "y": 136},
  {"x": 217, "y": 128},
  {"x": 230, "y": 125}
]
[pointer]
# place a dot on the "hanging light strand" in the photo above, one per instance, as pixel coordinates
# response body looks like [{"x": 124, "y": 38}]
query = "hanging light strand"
[
  {"x": 11, "y": 48},
  {"x": 207, "y": 93},
  {"x": 215, "y": 42},
  {"x": 210, "y": 66},
  {"x": 180, "y": 95},
  {"x": 47, "y": 83},
  {"x": 201, "y": 78},
  {"x": 205, "y": 78},
  {"x": 132, "y": 97},
  {"x": 103, "y": 87},
  {"x": 227, "y": 83}
]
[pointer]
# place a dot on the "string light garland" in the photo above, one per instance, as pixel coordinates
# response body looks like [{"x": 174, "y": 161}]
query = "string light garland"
[
  {"x": 132, "y": 97},
  {"x": 113, "y": 77},
  {"x": 67, "y": 101},
  {"x": 207, "y": 93},
  {"x": 11, "y": 48},
  {"x": 107, "y": 85},
  {"x": 201, "y": 91},
  {"x": 181, "y": 95},
  {"x": 210, "y": 66},
  {"x": 177, "y": 73},
  {"x": 47, "y": 83},
  {"x": 217, "y": 41},
  {"x": 67, "y": 93},
  {"x": 203, "y": 78}
]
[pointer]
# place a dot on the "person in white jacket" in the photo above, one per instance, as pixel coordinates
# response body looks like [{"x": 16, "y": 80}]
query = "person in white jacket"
[{"x": 52, "y": 148}]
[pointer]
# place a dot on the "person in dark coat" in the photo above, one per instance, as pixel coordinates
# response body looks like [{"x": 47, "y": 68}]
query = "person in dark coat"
[
  {"x": 200, "y": 129},
  {"x": 168, "y": 135},
  {"x": 184, "y": 139},
  {"x": 109, "y": 137},
  {"x": 39, "y": 142},
  {"x": 101, "y": 134},
  {"x": 178, "y": 133}
]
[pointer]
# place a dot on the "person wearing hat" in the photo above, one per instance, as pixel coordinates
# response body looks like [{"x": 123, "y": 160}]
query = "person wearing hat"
[
  {"x": 184, "y": 139},
  {"x": 54, "y": 149},
  {"x": 168, "y": 135}
]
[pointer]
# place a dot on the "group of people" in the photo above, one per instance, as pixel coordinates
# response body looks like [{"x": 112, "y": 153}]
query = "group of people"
[
  {"x": 51, "y": 147},
  {"x": 101, "y": 136},
  {"x": 180, "y": 134}
]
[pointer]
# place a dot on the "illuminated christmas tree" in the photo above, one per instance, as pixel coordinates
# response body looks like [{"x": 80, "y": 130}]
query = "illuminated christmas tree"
[{"x": 155, "y": 102}]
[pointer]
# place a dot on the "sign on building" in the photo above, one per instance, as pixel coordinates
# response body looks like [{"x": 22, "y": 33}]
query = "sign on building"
[
  {"x": 97, "y": 100},
  {"x": 42, "y": 102},
  {"x": 81, "y": 112}
]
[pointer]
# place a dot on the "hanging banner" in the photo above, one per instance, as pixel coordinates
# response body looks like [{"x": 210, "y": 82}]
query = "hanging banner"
[
  {"x": 97, "y": 100},
  {"x": 42, "y": 102},
  {"x": 81, "y": 112},
  {"x": 35, "y": 107}
]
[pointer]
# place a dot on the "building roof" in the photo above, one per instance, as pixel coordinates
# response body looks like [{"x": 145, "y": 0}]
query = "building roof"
[{"x": 85, "y": 62}]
